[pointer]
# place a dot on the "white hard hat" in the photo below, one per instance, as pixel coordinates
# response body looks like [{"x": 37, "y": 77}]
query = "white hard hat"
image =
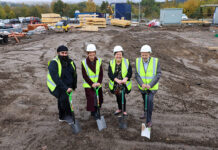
[
  {"x": 118, "y": 48},
  {"x": 91, "y": 48},
  {"x": 146, "y": 48}
]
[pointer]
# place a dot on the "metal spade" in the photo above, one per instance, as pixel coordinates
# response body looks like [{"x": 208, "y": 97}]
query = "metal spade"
[
  {"x": 122, "y": 119},
  {"x": 99, "y": 119},
  {"x": 74, "y": 123},
  {"x": 145, "y": 131}
]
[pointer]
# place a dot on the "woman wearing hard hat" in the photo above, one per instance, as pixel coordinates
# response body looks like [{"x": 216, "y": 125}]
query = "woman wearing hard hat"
[
  {"x": 120, "y": 73},
  {"x": 147, "y": 74},
  {"x": 93, "y": 75}
]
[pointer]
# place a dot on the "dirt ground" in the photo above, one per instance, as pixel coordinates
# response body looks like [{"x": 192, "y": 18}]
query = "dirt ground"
[{"x": 185, "y": 112}]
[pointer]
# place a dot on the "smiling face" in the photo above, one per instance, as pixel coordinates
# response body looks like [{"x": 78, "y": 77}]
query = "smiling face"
[
  {"x": 145, "y": 55},
  {"x": 91, "y": 56},
  {"x": 118, "y": 57}
]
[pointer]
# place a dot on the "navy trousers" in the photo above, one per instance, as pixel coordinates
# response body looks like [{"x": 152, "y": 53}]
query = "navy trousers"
[
  {"x": 63, "y": 103},
  {"x": 150, "y": 96}
]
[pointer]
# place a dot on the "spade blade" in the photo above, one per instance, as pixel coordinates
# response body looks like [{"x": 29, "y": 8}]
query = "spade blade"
[
  {"x": 101, "y": 123},
  {"x": 75, "y": 126},
  {"x": 145, "y": 131},
  {"x": 122, "y": 122}
]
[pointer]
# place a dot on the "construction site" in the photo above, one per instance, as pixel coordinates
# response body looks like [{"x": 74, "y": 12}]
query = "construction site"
[{"x": 185, "y": 114}]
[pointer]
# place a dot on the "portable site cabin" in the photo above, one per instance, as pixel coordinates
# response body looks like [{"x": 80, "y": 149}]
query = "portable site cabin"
[
  {"x": 215, "y": 16},
  {"x": 171, "y": 16}
]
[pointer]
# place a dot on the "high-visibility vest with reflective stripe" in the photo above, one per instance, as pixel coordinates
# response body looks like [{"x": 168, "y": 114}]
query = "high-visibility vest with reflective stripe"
[
  {"x": 124, "y": 71},
  {"x": 150, "y": 73},
  {"x": 50, "y": 83},
  {"x": 92, "y": 76}
]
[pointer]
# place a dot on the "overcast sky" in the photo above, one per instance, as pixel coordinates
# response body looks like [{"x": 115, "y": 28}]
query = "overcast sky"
[{"x": 72, "y": 1}]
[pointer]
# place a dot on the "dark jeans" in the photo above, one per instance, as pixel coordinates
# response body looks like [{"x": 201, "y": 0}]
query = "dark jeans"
[
  {"x": 150, "y": 96},
  {"x": 119, "y": 101}
]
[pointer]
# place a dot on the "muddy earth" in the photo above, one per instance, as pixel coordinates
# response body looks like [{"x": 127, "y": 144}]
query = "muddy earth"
[{"x": 185, "y": 112}]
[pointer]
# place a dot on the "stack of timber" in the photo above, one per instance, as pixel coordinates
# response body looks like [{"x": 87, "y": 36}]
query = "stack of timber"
[
  {"x": 50, "y": 18},
  {"x": 121, "y": 23},
  {"x": 91, "y": 22},
  {"x": 82, "y": 19},
  {"x": 99, "y": 22}
]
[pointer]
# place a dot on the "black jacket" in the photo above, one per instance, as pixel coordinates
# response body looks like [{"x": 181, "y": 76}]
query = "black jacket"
[{"x": 68, "y": 77}]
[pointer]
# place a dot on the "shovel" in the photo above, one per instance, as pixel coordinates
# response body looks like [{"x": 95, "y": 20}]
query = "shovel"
[
  {"x": 72, "y": 121},
  {"x": 145, "y": 131},
  {"x": 122, "y": 120},
  {"x": 99, "y": 119}
]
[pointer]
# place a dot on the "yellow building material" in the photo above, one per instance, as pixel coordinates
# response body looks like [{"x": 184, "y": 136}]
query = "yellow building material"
[
  {"x": 76, "y": 25},
  {"x": 50, "y": 18},
  {"x": 92, "y": 20},
  {"x": 121, "y": 23},
  {"x": 195, "y": 22},
  {"x": 89, "y": 28}
]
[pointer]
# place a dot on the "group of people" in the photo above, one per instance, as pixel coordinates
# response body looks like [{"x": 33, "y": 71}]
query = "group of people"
[{"x": 62, "y": 79}]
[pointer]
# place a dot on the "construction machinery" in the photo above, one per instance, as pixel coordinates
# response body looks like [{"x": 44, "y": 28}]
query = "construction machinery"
[
  {"x": 111, "y": 12},
  {"x": 62, "y": 26},
  {"x": 119, "y": 10}
]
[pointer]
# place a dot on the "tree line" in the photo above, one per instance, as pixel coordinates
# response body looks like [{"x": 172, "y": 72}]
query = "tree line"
[{"x": 149, "y": 8}]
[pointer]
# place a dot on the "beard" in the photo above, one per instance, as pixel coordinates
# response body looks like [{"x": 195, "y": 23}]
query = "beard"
[{"x": 64, "y": 60}]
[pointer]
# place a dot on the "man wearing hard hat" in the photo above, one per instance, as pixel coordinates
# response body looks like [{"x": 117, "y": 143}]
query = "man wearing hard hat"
[
  {"x": 92, "y": 72},
  {"x": 62, "y": 79},
  {"x": 147, "y": 74},
  {"x": 120, "y": 73}
]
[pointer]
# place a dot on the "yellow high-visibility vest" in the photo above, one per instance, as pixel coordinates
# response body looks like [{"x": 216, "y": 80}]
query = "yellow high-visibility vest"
[
  {"x": 124, "y": 71},
  {"x": 50, "y": 83},
  {"x": 149, "y": 74},
  {"x": 93, "y": 76}
]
